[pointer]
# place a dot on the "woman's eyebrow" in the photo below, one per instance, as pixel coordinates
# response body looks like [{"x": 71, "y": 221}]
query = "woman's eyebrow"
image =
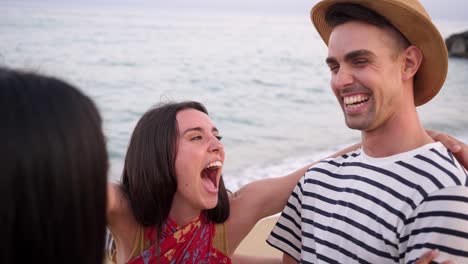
[{"x": 214, "y": 129}]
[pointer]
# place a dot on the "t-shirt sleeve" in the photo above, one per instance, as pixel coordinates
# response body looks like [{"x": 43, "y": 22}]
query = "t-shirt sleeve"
[
  {"x": 286, "y": 235},
  {"x": 439, "y": 222}
]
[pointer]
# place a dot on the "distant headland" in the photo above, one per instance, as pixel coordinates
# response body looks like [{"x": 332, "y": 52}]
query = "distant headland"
[{"x": 457, "y": 45}]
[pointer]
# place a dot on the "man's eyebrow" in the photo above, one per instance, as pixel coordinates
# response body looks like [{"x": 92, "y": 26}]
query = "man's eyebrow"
[
  {"x": 351, "y": 55},
  {"x": 358, "y": 53},
  {"x": 330, "y": 60}
]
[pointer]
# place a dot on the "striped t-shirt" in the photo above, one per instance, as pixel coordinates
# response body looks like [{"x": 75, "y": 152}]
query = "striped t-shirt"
[{"x": 359, "y": 209}]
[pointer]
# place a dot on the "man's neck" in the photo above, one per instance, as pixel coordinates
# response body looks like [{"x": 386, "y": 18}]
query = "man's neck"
[{"x": 402, "y": 132}]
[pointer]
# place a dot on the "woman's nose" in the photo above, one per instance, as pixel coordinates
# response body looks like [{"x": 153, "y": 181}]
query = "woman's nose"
[{"x": 216, "y": 145}]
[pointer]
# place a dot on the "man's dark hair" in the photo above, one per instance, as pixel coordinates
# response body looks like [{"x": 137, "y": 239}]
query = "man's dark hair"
[{"x": 342, "y": 13}]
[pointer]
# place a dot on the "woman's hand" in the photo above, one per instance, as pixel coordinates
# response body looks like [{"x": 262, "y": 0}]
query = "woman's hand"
[
  {"x": 429, "y": 256},
  {"x": 458, "y": 148}
]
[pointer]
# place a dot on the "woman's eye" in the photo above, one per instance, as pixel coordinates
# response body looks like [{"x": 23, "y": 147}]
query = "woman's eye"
[
  {"x": 219, "y": 137},
  {"x": 196, "y": 138}
]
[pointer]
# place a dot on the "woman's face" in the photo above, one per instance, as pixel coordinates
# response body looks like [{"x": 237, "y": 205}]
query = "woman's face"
[{"x": 198, "y": 164}]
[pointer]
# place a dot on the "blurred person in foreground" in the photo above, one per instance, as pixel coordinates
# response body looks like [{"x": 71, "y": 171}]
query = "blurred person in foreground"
[{"x": 53, "y": 164}]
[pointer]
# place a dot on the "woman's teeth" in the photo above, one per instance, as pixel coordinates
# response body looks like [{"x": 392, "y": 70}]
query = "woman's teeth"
[{"x": 215, "y": 164}]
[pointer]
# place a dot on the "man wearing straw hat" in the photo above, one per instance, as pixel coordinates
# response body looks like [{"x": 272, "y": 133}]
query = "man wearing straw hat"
[{"x": 401, "y": 194}]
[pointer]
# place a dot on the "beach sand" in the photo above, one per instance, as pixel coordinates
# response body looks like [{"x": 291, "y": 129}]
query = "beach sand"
[{"x": 255, "y": 245}]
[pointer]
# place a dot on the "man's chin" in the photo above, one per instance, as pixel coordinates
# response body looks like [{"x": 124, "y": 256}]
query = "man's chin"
[{"x": 361, "y": 126}]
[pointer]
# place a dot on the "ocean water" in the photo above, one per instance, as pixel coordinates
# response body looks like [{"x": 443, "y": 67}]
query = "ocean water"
[{"x": 262, "y": 77}]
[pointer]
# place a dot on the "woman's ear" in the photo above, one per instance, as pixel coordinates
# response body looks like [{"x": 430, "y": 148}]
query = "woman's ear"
[{"x": 412, "y": 61}]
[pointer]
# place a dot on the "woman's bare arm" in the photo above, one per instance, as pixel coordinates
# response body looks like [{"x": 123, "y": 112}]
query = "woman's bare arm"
[
  {"x": 262, "y": 198},
  {"x": 243, "y": 259},
  {"x": 120, "y": 222}
]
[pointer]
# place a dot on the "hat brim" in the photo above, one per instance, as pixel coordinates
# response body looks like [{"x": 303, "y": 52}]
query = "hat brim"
[{"x": 416, "y": 26}]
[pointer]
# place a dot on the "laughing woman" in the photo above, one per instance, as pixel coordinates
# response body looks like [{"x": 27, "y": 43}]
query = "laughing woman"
[{"x": 172, "y": 206}]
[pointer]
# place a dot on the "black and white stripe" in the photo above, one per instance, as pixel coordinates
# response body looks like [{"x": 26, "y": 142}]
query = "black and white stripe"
[{"x": 357, "y": 209}]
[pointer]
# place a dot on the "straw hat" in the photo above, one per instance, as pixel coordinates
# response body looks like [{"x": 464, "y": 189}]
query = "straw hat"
[{"x": 412, "y": 20}]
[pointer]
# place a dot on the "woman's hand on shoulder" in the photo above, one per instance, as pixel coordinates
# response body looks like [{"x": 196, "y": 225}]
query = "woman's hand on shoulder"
[
  {"x": 458, "y": 148},
  {"x": 428, "y": 257}
]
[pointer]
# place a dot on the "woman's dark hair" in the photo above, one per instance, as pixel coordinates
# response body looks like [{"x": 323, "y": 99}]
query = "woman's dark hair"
[
  {"x": 149, "y": 178},
  {"x": 342, "y": 13},
  {"x": 53, "y": 172}
]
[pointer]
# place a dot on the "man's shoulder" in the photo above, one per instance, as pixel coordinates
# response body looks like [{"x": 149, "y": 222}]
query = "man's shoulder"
[
  {"x": 346, "y": 157},
  {"x": 440, "y": 161},
  {"x": 432, "y": 170},
  {"x": 335, "y": 163}
]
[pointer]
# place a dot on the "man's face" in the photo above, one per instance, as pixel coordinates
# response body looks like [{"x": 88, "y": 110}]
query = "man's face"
[{"x": 366, "y": 74}]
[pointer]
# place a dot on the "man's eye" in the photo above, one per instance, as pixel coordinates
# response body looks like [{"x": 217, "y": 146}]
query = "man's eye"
[
  {"x": 360, "y": 61},
  {"x": 334, "y": 68},
  {"x": 219, "y": 137}
]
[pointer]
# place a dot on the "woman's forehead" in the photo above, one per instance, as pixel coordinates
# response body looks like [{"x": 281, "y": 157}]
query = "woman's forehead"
[{"x": 191, "y": 118}]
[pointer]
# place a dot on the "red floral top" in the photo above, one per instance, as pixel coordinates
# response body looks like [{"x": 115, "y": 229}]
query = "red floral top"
[{"x": 190, "y": 244}]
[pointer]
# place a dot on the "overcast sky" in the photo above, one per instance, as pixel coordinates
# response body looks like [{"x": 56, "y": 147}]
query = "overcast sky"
[{"x": 456, "y": 9}]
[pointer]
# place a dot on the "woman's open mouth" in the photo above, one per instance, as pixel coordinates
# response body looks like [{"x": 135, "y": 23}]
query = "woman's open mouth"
[{"x": 210, "y": 176}]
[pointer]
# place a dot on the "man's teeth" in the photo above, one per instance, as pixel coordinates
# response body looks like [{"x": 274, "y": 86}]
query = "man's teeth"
[
  {"x": 355, "y": 99},
  {"x": 214, "y": 164}
]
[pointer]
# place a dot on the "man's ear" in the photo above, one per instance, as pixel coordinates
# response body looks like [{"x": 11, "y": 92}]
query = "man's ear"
[{"x": 412, "y": 57}]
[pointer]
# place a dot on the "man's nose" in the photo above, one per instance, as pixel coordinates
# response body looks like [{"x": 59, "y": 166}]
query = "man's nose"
[{"x": 343, "y": 78}]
